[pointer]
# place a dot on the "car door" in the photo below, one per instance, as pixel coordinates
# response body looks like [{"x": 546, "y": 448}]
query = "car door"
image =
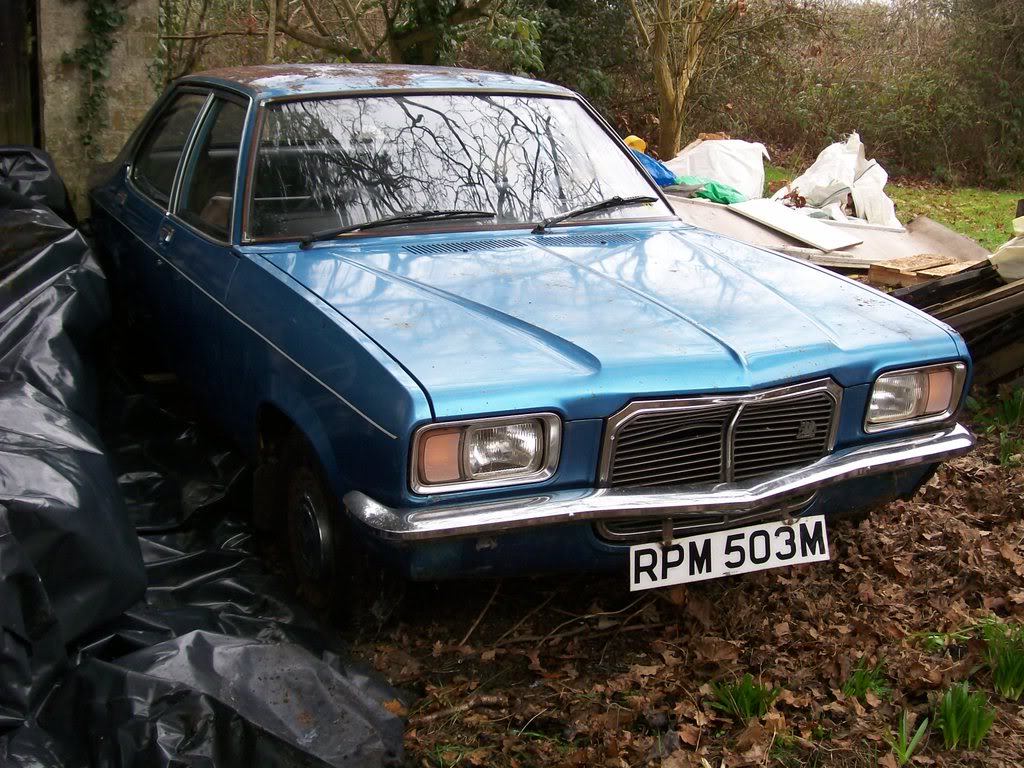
[
  {"x": 196, "y": 246},
  {"x": 152, "y": 174}
]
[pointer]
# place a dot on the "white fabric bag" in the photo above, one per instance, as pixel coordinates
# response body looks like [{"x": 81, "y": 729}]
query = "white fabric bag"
[{"x": 740, "y": 164}]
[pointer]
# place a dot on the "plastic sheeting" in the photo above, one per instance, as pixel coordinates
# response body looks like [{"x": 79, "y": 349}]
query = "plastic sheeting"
[
  {"x": 1009, "y": 258},
  {"x": 167, "y": 645},
  {"x": 30, "y": 173},
  {"x": 841, "y": 171},
  {"x": 735, "y": 163}
]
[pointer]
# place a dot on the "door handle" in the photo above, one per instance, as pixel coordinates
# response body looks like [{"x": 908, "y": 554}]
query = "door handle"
[{"x": 166, "y": 233}]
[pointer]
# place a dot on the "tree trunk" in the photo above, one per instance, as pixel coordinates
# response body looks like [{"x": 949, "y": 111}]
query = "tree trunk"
[
  {"x": 271, "y": 29},
  {"x": 665, "y": 84},
  {"x": 670, "y": 129}
]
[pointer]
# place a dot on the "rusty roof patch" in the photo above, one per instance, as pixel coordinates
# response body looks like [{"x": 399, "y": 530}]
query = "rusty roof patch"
[{"x": 286, "y": 79}]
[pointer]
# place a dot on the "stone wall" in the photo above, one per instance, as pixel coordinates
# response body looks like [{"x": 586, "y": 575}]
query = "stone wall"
[{"x": 130, "y": 89}]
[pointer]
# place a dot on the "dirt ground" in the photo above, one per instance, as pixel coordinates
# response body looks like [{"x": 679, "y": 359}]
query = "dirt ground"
[{"x": 580, "y": 672}]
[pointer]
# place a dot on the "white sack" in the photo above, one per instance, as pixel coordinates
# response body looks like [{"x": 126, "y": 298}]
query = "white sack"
[
  {"x": 1009, "y": 258},
  {"x": 842, "y": 170},
  {"x": 740, "y": 164}
]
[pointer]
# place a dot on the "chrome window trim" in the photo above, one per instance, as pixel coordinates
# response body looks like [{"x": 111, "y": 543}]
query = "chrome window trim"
[
  {"x": 549, "y": 464},
  {"x": 204, "y": 112},
  {"x": 615, "y": 422},
  {"x": 957, "y": 394},
  {"x": 265, "y": 103},
  {"x": 166, "y": 208}
]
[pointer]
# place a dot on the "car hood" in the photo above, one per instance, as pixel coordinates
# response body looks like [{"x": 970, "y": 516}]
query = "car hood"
[{"x": 586, "y": 319}]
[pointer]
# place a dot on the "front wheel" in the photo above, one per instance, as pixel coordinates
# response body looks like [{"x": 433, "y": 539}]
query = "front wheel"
[{"x": 334, "y": 575}]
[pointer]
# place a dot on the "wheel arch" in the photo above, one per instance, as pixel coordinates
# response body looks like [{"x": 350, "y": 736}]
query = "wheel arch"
[{"x": 275, "y": 421}]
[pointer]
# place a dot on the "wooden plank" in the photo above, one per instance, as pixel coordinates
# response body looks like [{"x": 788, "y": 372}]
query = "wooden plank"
[
  {"x": 948, "y": 289},
  {"x": 971, "y": 318},
  {"x": 977, "y": 300},
  {"x": 1000, "y": 363},
  {"x": 917, "y": 269},
  {"x": 955, "y": 268},
  {"x": 783, "y": 219},
  {"x": 898, "y": 271},
  {"x": 17, "y": 107}
]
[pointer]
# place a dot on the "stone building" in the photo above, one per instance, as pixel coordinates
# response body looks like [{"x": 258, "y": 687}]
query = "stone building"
[{"x": 41, "y": 97}]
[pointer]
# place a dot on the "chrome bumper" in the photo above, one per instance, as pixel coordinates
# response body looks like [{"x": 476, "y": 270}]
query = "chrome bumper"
[{"x": 588, "y": 505}]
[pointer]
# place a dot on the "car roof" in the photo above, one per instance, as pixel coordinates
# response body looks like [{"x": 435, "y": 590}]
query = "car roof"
[{"x": 291, "y": 80}]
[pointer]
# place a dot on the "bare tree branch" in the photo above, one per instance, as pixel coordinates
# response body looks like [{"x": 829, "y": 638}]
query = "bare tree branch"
[
  {"x": 641, "y": 28},
  {"x": 315, "y": 18},
  {"x": 319, "y": 41},
  {"x": 358, "y": 26}
]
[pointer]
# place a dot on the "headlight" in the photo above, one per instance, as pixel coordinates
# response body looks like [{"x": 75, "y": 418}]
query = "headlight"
[
  {"x": 485, "y": 453},
  {"x": 914, "y": 396}
]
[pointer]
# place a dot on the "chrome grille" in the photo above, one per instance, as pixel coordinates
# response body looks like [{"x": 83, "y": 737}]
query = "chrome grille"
[
  {"x": 719, "y": 438},
  {"x": 776, "y": 435},
  {"x": 671, "y": 448}
]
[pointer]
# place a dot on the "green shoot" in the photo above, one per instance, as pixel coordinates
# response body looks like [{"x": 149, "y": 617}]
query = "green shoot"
[
  {"x": 964, "y": 717},
  {"x": 743, "y": 699},
  {"x": 1004, "y": 652},
  {"x": 903, "y": 745},
  {"x": 864, "y": 679}
]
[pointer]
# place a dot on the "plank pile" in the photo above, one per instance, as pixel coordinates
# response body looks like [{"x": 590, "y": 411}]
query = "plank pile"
[
  {"x": 986, "y": 310},
  {"x": 914, "y": 270}
]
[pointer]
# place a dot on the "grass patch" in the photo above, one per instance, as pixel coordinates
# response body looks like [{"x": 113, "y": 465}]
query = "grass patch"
[
  {"x": 1004, "y": 652},
  {"x": 964, "y": 717},
  {"x": 984, "y": 215},
  {"x": 864, "y": 679},
  {"x": 744, "y": 698},
  {"x": 1004, "y": 418}
]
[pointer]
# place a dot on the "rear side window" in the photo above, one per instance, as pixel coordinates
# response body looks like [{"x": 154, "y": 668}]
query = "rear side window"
[
  {"x": 209, "y": 183},
  {"x": 158, "y": 156}
]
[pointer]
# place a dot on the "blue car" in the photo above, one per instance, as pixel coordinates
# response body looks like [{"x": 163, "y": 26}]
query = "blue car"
[{"x": 459, "y": 331}]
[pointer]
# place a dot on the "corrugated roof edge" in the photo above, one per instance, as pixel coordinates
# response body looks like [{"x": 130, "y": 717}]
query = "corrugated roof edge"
[{"x": 277, "y": 80}]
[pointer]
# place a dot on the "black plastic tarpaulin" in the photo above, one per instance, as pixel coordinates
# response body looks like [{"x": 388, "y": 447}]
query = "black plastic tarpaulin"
[{"x": 137, "y": 624}]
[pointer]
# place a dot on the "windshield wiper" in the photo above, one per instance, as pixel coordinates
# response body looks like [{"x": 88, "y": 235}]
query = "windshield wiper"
[
  {"x": 611, "y": 202},
  {"x": 402, "y": 218}
]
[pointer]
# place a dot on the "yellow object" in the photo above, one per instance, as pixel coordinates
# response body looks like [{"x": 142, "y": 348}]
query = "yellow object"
[{"x": 635, "y": 142}]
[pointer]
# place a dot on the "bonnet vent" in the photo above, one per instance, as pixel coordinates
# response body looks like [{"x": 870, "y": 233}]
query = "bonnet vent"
[
  {"x": 588, "y": 239},
  {"x": 463, "y": 246}
]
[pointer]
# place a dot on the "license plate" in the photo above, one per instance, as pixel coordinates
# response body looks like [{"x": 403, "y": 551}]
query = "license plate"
[{"x": 725, "y": 553}]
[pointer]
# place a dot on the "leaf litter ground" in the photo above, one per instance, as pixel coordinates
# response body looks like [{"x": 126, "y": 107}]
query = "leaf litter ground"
[{"x": 579, "y": 672}]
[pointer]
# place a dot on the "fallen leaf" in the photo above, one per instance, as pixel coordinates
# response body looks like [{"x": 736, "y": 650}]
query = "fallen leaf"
[
  {"x": 714, "y": 649},
  {"x": 690, "y": 734},
  {"x": 395, "y": 707}
]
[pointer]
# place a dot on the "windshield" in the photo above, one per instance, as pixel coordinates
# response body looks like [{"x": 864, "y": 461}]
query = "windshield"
[{"x": 345, "y": 161}]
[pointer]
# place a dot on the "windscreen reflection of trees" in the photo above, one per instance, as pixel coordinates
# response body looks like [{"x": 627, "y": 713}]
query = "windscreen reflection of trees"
[{"x": 347, "y": 161}]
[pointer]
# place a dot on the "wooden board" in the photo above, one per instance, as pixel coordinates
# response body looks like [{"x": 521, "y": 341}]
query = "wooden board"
[
  {"x": 797, "y": 226},
  {"x": 18, "y": 106},
  {"x": 912, "y": 270},
  {"x": 949, "y": 269},
  {"x": 977, "y": 300},
  {"x": 1001, "y": 363},
  {"x": 994, "y": 309}
]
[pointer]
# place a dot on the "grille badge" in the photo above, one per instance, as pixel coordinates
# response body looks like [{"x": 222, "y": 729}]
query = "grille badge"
[{"x": 806, "y": 430}]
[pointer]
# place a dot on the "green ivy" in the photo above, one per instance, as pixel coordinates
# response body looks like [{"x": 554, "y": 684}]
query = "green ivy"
[{"x": 103, "y": 19}]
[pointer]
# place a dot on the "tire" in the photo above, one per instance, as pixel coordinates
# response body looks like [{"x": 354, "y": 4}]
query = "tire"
[{"x": 334, "y": 575}]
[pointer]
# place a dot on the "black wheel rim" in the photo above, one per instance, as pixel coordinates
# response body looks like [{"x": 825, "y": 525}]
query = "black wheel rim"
[{"x": 311, "y": 534}]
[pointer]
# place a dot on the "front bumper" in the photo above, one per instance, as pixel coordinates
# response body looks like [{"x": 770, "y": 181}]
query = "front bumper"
[{"x": 590, "y": 505}]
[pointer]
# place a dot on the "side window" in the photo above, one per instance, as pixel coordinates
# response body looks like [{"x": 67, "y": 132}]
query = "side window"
[
  {"x": 161, "y": 148},
  {"x": 209, "y": 182}
]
